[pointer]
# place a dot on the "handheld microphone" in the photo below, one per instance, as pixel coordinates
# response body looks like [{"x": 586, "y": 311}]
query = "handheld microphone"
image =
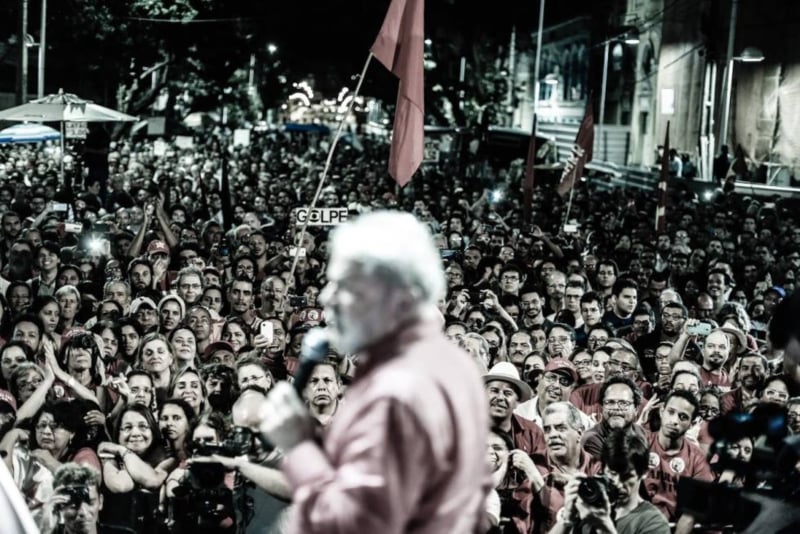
[{"x": 313, "y": 350}]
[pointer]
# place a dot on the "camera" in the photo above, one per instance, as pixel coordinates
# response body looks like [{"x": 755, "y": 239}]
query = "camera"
[
  {"x": 592, "y": 489},
  {"x": 296, "y": 301},
  {"x": 237, "y": 444},
  {"x": 224, "y": 248},
  {"x": 77, "y": 495}
]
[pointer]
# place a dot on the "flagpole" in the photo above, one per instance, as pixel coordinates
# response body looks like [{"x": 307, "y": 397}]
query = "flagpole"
[
  {"x": 335, "y": 141},
  {"x": 571, "y": 192}
]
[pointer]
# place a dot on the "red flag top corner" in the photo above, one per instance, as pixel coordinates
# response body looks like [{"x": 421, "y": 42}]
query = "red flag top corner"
[
  {"x": 400, "y": 47},
  {"x": 581, "y": 153}
]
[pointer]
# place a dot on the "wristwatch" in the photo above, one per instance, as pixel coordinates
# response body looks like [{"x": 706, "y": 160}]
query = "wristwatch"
[{"x": 563, "y": 517}]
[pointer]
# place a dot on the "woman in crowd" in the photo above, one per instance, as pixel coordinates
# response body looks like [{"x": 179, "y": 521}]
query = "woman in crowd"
[
  {"x": 189, "y": 386},
  {"x": 156, "y": 357},
  {"x": 175, "y": 421},
  {"x": 69, "y": 302},
  {"x": 134, "y": 467},
  {"x": 60, "y": 435},
  {"x": 12, "y": 355},
  {"x": 171, "y": 310},
  {"x": 237, "y": 333},
  {"x": 49, "y": 311},
  {"x": 184, "y": 346}
]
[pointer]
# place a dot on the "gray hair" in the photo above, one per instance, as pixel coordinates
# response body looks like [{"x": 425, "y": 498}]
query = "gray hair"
[
  {"x": 573, "y": 415},
  {"x": 68, "y": 290},
  {"x": 396, "y": 247}
]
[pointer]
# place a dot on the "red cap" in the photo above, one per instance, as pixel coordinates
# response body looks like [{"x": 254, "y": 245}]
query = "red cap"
[
  {"x": 157, "y": 247},
  {"x": 563, "y": 367}
]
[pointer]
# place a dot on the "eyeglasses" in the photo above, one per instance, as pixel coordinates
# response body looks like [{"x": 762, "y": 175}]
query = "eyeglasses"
[
  {"x": 622, "y": 404},
  {"x": 552, "y": 378},
  {"x": 593, "y": 339},
  {"x": 622, "y": 366}
]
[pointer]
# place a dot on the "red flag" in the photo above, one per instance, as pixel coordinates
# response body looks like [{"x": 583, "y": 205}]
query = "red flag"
[
  {"x": 661, "y": 210},
  {"x": 399, "y": 46},
  {"x": 581, "y": 153},
  {"x": 529, "y": 170}
]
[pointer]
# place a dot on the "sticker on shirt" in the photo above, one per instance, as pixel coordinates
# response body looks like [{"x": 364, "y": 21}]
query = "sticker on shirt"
[
  {"x": 654, "y": 460},
  {"x": 677, "y": 465},
  {"x": 58, "y": 391}
]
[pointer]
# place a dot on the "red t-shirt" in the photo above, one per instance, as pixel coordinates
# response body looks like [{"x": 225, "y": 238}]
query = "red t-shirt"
[{"x": 666, "y": 468}]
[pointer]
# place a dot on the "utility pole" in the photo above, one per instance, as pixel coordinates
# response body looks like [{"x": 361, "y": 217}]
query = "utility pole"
[
  {"x": 22, "y": 71},
  {"x": 42, "y": 41}
]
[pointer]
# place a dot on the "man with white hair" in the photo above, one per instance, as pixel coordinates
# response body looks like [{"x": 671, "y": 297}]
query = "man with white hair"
[{"x": 396, "y": 454}]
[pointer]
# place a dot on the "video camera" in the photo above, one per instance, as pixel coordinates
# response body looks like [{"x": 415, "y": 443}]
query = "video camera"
[{"x": 765, "y": 495}]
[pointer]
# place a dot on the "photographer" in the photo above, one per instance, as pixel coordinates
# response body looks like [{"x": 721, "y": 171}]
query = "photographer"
[
  {"x": 76, "y": 502},
  {"x": 613, "y": 503},
  {"x": 513, "y": 473}
]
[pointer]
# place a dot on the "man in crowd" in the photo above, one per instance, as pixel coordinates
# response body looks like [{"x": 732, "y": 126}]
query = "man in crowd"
[
  {"x": 673, "y": 456},
  {"x": 625, "y": 293},
  {"x": 619, "y": 398}
]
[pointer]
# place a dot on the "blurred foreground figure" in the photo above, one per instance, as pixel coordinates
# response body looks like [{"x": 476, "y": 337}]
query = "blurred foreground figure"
[{"x": 406, "y": 450}]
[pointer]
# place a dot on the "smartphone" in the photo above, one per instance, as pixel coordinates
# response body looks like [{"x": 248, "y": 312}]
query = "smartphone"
[
  {"x": 295, "y": 251},
  {"x": 475, "y": 295},
  {"x": 73, "y": 228},
  {"x": 100, "y": 228},
  {"x": 267, "y": 330},
  {"x": 224, "y": 249},
  {"x": 700, "y": 329},
  {"x": 60, "y": 206},
  {"x": 570, "y": 228}
]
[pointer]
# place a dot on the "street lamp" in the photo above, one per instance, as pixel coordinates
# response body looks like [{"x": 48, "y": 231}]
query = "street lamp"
[
  {"x": 631, "y": 37},
  {"x": 748, "y": 55}
]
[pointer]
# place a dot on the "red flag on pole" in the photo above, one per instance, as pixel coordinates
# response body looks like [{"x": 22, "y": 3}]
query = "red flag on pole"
[
  {"x": 661, "y": 210},
  {"x": 581, "y": 153},
  {"x": 529, "y": 170},
  {"x": 399, "y": 46}
]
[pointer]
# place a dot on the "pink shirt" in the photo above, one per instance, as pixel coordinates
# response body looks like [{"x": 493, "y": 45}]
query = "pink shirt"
[{"x": 406, "y": 452}]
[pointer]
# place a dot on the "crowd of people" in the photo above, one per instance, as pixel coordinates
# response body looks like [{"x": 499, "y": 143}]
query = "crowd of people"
[{"x": 135, "y": 308}]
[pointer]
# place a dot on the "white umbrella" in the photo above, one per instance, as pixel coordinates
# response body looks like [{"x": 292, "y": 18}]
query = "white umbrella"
[
  {"x": 28, "y": 133},
  {"x": 63, "y": 107}
]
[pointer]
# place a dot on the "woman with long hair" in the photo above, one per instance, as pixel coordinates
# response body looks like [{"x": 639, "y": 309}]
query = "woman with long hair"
[
  {"x": 175, "y": 421},
  {"x": 189, "y": 386}
]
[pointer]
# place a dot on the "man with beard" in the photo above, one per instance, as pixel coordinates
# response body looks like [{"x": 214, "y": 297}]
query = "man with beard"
[
  {"x": 219, "y": 378},
  {"x": 619, "y": 398},
  {"x": 622, "y": 362},
  {"x": 394, "y": 455},
  {"x": 519, "y": 347},
  {"x": 531, "y": 303},
  {"x": 673, "y": 457},
  {"x": 240, "y": 297},
  {"x": 140, "y": 275},
  {"x": 751, "y": 376},
  {"x": 273, "y": 296},
  {"x": 591, "y": 309},
  {"x": 718, "y": 285},
  {"x": 12, "y": 226},
  {"x": 556, "y": 285},
  {"x": 322, "y": 392},
  {"x": 673, "y": 317},
  {"x": 555, "y": 385},
  {"x": 625, "y": 294},
  {"x": 505, "y": 391},
  {"x": 472, "y": 259},
  {"x": 716, "y": 350}
]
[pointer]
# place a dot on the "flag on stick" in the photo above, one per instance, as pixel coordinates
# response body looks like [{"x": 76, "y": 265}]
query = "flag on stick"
[
  {"x": 399, "y": 46},
  {"x": 661, "y": 210},
  {"x": 581, "y": 153},
  {"x": 529, "y": 170}
]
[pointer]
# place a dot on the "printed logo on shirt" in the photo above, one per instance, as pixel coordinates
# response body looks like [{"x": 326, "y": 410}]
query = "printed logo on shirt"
[
  {"x": 677, "y": 465},
  {"x": 654, "y": 460},
  {"x": 59, "y": 391}
]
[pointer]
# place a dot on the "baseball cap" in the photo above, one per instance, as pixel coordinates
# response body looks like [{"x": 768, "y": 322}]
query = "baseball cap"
[
  {"x": 157, "y": 247},
  {"x": 562, "y": 367},
  {"x": 138, "y": 302},
  {"x": 7, "y": 400},
  {"x": 217, "y": 346}
]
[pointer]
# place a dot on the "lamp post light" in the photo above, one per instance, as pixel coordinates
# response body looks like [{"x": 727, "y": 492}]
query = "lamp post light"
[
  {"x": 748, "y": 55},
  {"x": 630, "y": 37}
]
